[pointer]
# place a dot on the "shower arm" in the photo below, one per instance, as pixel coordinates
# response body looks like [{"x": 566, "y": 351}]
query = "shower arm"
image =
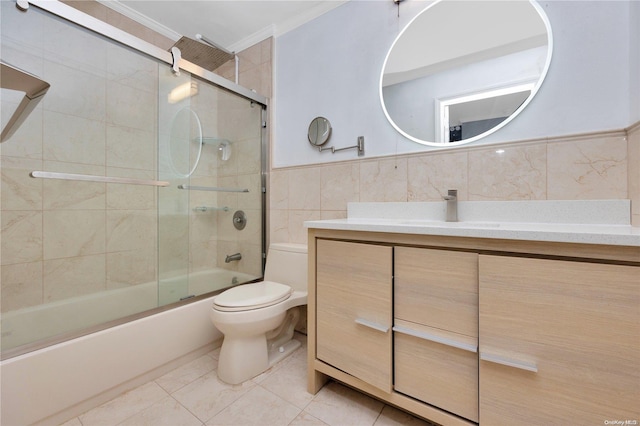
[{"x": 16, "y": 79}]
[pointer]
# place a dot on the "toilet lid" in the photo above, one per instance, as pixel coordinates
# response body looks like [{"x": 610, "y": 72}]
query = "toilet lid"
[{"x": 252, "y": 296}]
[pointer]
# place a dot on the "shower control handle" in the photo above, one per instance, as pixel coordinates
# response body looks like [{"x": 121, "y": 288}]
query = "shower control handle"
[{"x": 239, "y": 220}]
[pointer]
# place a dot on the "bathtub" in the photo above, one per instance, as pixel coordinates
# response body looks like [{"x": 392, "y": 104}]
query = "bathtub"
[
  {"x": 35, "y": 323},
  {"x": 61, "y": 381}
]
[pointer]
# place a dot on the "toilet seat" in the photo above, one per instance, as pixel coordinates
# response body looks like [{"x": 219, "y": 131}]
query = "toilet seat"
[{"x": 251, "y": 296}]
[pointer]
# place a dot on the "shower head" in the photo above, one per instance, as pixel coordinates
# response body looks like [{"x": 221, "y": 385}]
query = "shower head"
[{"x": 203, "y": 54}]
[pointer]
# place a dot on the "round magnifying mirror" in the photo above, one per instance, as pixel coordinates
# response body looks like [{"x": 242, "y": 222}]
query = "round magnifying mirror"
[{"x": 319, "y": 131}]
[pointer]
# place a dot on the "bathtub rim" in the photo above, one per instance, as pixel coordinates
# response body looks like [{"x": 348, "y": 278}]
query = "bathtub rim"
[{"x": 70, "y": 335}]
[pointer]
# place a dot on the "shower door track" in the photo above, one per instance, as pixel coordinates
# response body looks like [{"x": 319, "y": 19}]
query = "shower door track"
[{"x": 71, "y": 14}]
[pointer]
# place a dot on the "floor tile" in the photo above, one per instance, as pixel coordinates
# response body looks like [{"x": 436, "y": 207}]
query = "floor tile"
[
  {"x": 391, "y": 416},
  {"x": 187, "y": 373},
  {"x": 306, "y": 419},
  {"x": 290, "y": 381},
  {"x": 207, "y": 396},
  {"x": 257, "y": 407},
  {"x": 338, "y": 405},
  {"x": 167, "y": 412},
  {"x": 124, "y": 406}
]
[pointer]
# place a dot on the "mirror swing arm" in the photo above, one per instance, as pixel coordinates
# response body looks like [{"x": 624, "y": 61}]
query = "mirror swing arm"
[
  {"x": 359, "y": 147},
  {"x": 319, "y": 133}
]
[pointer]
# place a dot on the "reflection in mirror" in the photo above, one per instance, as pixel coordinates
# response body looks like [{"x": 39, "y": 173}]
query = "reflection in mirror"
[
  {"x": 460, "y": 70},
  {"x": 319, "y": 131}
]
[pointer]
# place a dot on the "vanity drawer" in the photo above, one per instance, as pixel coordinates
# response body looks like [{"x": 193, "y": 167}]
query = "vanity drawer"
[
  {"x": 437, "y": 288},
  {"x": 439, "y": 368}
]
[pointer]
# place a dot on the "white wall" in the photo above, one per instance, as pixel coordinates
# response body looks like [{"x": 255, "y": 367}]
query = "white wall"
[{"x": 331, "y": 67}]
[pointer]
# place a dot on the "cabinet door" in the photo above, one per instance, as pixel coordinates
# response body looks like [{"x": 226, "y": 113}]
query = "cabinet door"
[
  {"x": 353, "y": 313},
  {"x": 558, "y": 342},
  {"x": 437, "y": 288}
]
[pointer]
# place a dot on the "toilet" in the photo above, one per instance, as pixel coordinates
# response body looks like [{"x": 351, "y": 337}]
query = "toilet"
[{"x": 258, "y": 319}]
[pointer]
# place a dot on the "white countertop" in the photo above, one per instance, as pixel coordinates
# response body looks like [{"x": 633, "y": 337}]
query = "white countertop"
[
  {"x": 623, "y": 235},
  {"x": 583, "y": 222}
]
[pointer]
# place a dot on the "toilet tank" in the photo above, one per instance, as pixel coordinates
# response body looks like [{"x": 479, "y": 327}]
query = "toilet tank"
[{"x": 287, "y": 264}]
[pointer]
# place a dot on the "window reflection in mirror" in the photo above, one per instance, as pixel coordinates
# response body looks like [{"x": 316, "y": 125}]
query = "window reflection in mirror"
[{"x": 466, "y": 64}]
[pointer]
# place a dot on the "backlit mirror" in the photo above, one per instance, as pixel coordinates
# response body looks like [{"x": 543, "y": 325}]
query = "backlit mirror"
[{"x": 460, "y": 70}]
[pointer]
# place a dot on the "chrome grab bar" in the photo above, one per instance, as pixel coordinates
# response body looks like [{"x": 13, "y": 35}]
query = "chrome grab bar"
[
  {"x": 211, "y": 188},
  {"x": 93, "y": 178}
]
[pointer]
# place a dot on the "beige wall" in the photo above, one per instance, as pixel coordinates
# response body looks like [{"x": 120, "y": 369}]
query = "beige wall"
[{"x": 595, "y": 166}]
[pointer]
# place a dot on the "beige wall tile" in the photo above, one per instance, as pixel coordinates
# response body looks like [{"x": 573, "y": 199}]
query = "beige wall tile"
[
  {"x": 279, "y": 226},
  {"x": 279, "y": 190},
  {"x": 297, "y": 231},
  {"x": 634, "y": 173},
  {"x": 21, "y": 237},
  {"x": 430, "y": 176},
  {"x": 508, "y": 173},
  {"x": 26, "y": 142},
  {"x": 129, "y": 107},
  {"x": 73, "y": 195},
  {"x": 73, "y": 139},
  {"x": 304, "y": 188},
  {"x": 74, "y": 92},
  {"x": 340, "y": 184},
  {"x": 594, "y": 168},
  {"x": 130, "y": 230},
  {"x": 74, "y": 276},
  {"x": 383, "y": 180},
  {"x": 70, "y": 233},
  {"x": 21, "y": 285},
  {"x": 130, "y": 267},
  {"x": 19, "y": 190},
  {"x": 131, "y": 148},
  {"x": 131, "y": 197}
]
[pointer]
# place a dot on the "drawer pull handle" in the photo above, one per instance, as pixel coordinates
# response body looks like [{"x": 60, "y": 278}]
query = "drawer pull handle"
[
  {"x": 372, "y": 325},
  {"x": 437, "y": 339},
  {"x": 509, "y": 362}
]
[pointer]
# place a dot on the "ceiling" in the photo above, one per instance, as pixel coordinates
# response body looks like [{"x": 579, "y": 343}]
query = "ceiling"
[{"x": 231, "y": 24}]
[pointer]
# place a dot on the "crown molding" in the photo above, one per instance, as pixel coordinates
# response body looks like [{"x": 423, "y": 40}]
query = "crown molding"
[{"x": 125, "y": 10}]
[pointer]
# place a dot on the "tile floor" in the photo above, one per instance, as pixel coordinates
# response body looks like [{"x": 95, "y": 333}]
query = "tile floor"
[{"x": 193, "y": 395}]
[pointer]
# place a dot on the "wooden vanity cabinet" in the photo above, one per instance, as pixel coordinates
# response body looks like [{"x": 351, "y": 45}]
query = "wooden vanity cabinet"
[
  {"x": 436, "y": 328},
  {"x": 463, "y": 331},
  {"x": 354, "y": 311},
  {"x": 559, "y": 341}
]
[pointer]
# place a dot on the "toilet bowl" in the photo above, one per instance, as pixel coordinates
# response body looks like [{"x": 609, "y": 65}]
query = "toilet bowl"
[{"x": 258, "y": 319}]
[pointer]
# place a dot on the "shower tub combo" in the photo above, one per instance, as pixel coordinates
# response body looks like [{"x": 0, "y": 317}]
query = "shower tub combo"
[{"x": 133, "y": 191}]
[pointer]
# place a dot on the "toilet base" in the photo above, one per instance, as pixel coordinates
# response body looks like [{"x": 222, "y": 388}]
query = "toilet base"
[
  {"x": 280, "y": 353},
  {"x": 244, "y": 359}
]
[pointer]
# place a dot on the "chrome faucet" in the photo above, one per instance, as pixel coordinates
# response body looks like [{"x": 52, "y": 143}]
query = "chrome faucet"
[
  {"x": 232, "y": 257},
  {"x": 452, "y": 205}
]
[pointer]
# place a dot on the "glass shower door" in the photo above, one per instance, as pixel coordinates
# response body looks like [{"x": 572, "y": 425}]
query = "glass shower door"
[{"x": 211, "y": 218}]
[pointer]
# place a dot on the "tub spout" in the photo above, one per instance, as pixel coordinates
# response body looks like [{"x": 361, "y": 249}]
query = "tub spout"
[{"x": 232, "y": 257}]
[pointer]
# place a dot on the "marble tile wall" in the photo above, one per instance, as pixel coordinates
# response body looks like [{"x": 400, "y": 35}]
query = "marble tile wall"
[
  {"x": 595, "y": 166},
  {"x": 65, "y": 238},
  {"x": 58, "y": 233}
]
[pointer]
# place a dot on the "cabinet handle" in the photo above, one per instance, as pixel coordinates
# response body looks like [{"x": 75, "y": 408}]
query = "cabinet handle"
[
  {"x": 438, "y": 339},
  {"x": 496, "y": 359},
  {"x": 372, "y": 325}
]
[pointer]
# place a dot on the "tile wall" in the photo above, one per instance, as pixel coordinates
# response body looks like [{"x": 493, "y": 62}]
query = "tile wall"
[
  {"x": 595, "y": 166},
  {"x": 63, "y": 238}
]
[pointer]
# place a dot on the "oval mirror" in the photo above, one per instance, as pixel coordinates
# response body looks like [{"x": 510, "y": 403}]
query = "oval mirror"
[
  {"x": 460, "y": 70},
  {"x": 319, "y": 131}
]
